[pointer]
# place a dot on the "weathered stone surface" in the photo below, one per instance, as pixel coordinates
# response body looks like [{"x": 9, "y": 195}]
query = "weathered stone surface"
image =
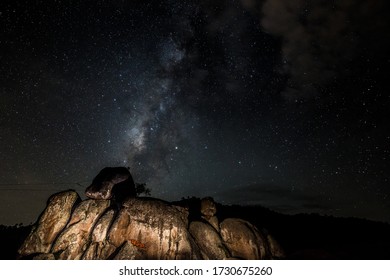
[
  {"x": 129, "y": 251},
  {"x": 53, "y": 219},
  {"x": 91, "y": 253},
  {"x": 74, "y": 240},
  {"x": 99, "y": 248},
  {"x": 112, "y": 182},
  {"x": 213, "y": 221},
  {"x": 156, "y": 227},
  {"x": 44, "y": 257},
  {"x": 100, "y": 231},
  {"x": 244, "y": 240},
  {"x": 207, "y": 207},
  {"x": 184, "y": 212},
  {"x": 209, "y": 241},
  {"x": 275, "y": 249},
  {"x": 99, "y": 251}
]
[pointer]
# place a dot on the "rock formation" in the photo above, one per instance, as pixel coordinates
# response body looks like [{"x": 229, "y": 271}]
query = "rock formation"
[
  {"x": 208, "y": 209},
  {"x": 243, "y": 240},
  {"x": 209, "y": 241},
  {"x": 142, "y": 228},
  {"x": 112, "y": 182},
  {"x": 74, "y": 239},
  {"x": 50, "y": 224}
]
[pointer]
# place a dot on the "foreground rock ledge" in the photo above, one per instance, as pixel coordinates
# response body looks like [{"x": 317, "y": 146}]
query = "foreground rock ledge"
[{"x": 143, "y": 228}]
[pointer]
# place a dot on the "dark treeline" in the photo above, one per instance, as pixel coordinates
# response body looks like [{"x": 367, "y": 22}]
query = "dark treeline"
[{"x": 11, "y": 238}]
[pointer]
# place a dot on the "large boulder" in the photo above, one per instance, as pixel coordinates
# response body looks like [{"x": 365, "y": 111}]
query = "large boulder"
[
  {"x": 244, "y": 240},
  {"x": 156, "y": 227},
  {"x": 73, "y": 241},
  {"x": 51, "y": 222},
  {"x": 112, "y": 182},
  {"x": 209, "y": 241}
]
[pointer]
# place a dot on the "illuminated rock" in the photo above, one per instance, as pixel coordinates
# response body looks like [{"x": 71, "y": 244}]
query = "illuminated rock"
[
  {"x": 99, "y": 248},
  {"x": 156, "y": 227},
  {"x": 73, "y": 241},
  {"x": 140, "y": 228},
  {"x": 51, "y": 222},
  {"x": 112, "y": 182},
  {"x": 208, "y": 209},
  {"x": 128, "y": 251},
  {"x": 244, "y": 240},
  {"x": 48, "y": 256},
  {"x": 209, "y": 241}
]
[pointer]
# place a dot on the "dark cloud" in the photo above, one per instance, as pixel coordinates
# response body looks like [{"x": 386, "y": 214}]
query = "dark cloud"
[{"x": 323, "y": 41}]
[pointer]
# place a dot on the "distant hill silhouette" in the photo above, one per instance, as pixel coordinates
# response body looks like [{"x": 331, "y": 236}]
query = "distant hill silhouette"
[{"x": 303, "y": 236}]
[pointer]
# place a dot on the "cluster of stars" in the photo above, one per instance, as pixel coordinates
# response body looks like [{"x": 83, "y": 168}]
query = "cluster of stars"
[{"x": 199, "y": 98}]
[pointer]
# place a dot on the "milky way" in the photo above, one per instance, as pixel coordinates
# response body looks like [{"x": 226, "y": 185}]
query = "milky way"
[{"x": 278, "y": 103}]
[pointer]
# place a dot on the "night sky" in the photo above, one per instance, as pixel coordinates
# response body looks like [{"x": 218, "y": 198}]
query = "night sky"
[{"x": 279, "y": 103}]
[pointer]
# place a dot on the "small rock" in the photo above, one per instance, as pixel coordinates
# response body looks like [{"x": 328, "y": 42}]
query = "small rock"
[{"x": 208, "y": 208}]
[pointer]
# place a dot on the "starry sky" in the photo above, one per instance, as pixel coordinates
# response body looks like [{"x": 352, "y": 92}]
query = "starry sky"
[{"x": 279, "y": 103}]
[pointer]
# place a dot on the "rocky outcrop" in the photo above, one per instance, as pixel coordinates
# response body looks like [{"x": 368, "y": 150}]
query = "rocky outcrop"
[
  {"x": 156, "y": 227},
  {"x": 99, "y": 248},
  {"x": 50, "y": 224},
  {"x": 112, "y": 182},
  {"x": 128, "y": 251},
  {"x": 243, "y": 240},
  {"x": 73, "y": 241},
  {"x": 141, "y": 228}
]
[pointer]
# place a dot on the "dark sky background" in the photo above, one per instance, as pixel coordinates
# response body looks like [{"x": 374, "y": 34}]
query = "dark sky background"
[{"x": 272, "y": 102}]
